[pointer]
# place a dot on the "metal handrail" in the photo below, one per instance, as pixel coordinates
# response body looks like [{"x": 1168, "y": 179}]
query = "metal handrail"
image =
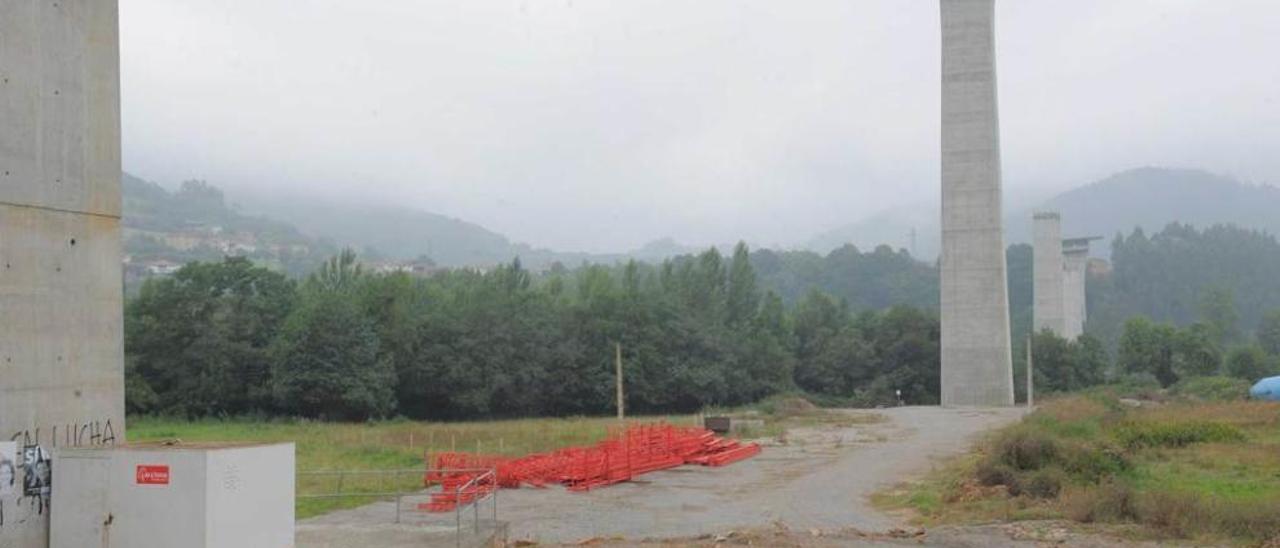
[
  {"x": 474, "y": 484},
  {"x": 395, "y": 470}
]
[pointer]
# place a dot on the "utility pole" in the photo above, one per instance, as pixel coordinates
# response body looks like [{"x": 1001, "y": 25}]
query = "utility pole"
[
  {"x": 1030, "y": 388},
  {"x": 618, "y": 373}
]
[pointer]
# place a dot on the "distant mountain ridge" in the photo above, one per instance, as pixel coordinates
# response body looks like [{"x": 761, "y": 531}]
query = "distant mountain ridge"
[
  {"x": 1152, "y": 197},
  {"x": 195, "y": 215},
  {"x": 1146, "y": 197},
  {"x": 296, "y": 232},
  {"x": 164, "y": 228}
]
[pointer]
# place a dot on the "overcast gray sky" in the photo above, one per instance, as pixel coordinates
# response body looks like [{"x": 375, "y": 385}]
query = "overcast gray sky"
[{"x": 598, "y": 126}]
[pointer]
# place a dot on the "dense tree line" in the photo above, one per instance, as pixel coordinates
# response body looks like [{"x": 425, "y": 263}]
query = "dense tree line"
[
  {"x": 870, "y": 280},
  {"x": 1183, "y": 275},
  {"x": 234, "y": 338},
  {"x": 1170, "y": 354}
]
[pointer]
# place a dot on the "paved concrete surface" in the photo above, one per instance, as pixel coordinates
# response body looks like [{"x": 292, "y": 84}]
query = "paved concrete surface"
[{"x": 820, "y": 480}]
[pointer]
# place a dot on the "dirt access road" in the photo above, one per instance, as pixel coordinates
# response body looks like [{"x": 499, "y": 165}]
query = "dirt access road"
[{"x": 821, "y": 478}]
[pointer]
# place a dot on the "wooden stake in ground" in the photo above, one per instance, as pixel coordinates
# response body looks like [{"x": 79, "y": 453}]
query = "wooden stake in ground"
[
  {"x": 1030, "y": 388},
  {"x": 622, "y": 414}
]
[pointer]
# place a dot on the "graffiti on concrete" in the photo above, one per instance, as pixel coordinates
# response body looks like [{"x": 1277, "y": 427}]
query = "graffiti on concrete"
[
  {"x": 26, "y": 465},
  {"x": 8, "y": 474},
  {"x": 73, "y": 434}
]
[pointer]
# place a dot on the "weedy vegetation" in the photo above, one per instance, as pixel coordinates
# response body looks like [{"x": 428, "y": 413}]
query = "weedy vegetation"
[{"x": 1184, "y": 468}]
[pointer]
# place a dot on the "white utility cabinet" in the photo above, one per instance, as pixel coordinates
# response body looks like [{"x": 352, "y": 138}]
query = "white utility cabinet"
[{"x": 166, "y": 496}]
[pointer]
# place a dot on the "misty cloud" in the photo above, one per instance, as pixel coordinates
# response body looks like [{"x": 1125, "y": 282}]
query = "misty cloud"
[{"x": 602, "y": 125}]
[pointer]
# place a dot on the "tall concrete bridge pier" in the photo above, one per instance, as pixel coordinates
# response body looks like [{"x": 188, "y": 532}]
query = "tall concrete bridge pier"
[
  {"x": 1075, "y": 270},
  {"x": 1047, "y": 310},
  {"x": 977, "y": 368},
  {"x": 61, "y": 340},
  {"x": 1060, "y": 267}
]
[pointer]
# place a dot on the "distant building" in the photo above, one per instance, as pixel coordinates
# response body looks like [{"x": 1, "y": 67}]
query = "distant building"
[
  {"x": 418, "y": 269},
  {"x": 161, "y": 267},
  {"x": 183, "y": 241}
]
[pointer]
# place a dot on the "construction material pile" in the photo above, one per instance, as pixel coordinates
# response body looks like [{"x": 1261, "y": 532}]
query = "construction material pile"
[{"x": 632, "y": 451}]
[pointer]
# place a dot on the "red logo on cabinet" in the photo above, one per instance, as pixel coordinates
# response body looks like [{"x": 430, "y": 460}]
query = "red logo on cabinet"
[{"x": 152, "y": 474}]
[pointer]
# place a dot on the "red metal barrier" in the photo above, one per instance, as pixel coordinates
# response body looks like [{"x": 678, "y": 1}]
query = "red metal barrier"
[{"x": 626, "y": 453}]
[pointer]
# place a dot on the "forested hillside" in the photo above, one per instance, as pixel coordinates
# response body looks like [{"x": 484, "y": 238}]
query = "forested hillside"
[
  {"x": 406, "y": 233},
  {"x": 1149, "y": 198},
  {"x": 869, "y": 280},
  {"x": 195, "y": 222},
  {"x": 1182, "y": 274}
]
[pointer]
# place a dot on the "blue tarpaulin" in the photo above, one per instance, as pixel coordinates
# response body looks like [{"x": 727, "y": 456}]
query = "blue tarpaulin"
[{"x": 1266, "y": 389}]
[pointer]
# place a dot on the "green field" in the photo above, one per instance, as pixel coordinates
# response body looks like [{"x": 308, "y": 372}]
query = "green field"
[
  {"x": 386, "y": 445},
  {"x": 1175, "y": 469}
]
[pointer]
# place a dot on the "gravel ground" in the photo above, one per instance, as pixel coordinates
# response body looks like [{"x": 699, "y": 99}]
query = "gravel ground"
[{"x": 820, "y": 480}]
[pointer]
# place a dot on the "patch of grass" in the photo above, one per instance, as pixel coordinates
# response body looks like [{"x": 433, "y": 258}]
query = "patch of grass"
[
  {"x": 1138, "y": 435},
  {"x": 1223, "y": 480},
  {"x": 1182, "y": 468},
  {"x": 1109, "y": 502},
  {"x": 1025, "y": 448},
  {"x": 1212, "y": 388},
  {"x": 386, "y": 445},
  {"x": 1045, "y": 483},
  {"x": 1094, "y": 462}
]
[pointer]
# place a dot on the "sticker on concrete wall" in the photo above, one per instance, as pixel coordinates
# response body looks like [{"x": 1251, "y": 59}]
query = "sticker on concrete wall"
[
  {"x": 37, "y": 477},
  {"x": 152, "y": 474}
]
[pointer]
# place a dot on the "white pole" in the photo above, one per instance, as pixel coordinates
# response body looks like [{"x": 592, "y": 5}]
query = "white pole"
[
  {"x": 1030, "y": 388},
  {"x": 618, "y": 372}
]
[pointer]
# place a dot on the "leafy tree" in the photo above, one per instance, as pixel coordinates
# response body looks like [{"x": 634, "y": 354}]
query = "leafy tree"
[
  {"x": 1268, "y": 333},
  {"x": 1218, "y": 311},
  {"x": 905, "y": 341},
  {"x": 1197, "y": 353},
  {"x": 1091, "y": 361},
  {"x": 743, "y": 295},
  {"x": 1062, "y": 365},
  {"x": 1053, "y": 363},
  {"x": 1018, "y": 257},
  {"x": 326, "y": 362},
  {"x": 340, "y": 273},
  {"x": 1148, "y": 347},
  {"x": 1249, "y": 363},
  {"x": 197, "y": 341}
]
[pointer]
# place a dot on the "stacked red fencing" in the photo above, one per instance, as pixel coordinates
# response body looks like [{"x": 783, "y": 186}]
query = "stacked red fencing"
[{"x": 637, "y": 449}]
